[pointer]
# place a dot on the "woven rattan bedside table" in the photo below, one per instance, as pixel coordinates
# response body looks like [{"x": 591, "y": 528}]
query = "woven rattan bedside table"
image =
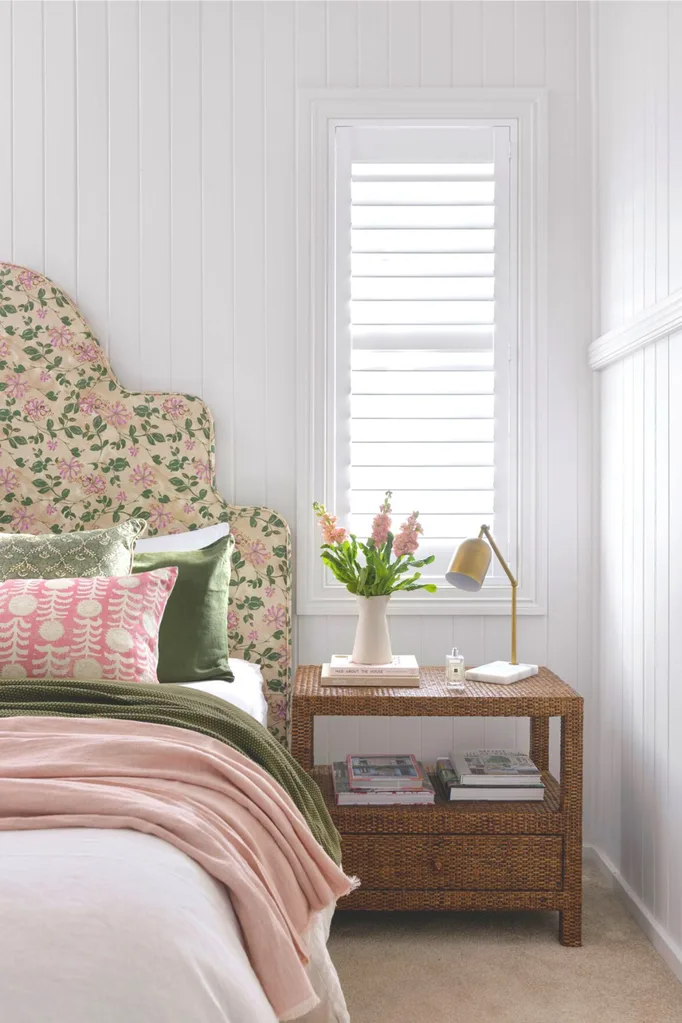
[{"x": 473, "y": 855}]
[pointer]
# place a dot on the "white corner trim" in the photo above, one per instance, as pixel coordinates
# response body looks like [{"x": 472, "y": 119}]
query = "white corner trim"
[
  {"x": 663, "y": 942},
  {"x": 649, "y": 325}
]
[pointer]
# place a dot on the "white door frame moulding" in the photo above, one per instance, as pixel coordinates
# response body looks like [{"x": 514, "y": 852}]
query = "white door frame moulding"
[
  {"x": 318, "y": 110},
  {"x": 663, "y": 942},
  {"x": 649, "y": 325}
]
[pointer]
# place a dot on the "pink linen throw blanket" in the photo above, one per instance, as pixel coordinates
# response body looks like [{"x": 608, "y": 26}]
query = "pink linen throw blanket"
[{"x": 197, "y": 793}]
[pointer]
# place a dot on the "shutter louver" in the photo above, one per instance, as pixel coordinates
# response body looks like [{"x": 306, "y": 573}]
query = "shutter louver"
[{"x": 422, "y": 317}]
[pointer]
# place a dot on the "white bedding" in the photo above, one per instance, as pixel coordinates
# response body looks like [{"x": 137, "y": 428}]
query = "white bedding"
[
  {"x": 114, "y": 926},
  {"x": 245, "y": 692}
]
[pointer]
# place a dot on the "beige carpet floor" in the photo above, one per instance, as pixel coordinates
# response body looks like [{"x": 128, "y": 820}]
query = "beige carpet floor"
[{"x": 503, "y": 967}]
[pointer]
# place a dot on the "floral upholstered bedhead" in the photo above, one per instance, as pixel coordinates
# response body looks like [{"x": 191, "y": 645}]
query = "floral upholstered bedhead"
[{"x": 78, "y": 451}]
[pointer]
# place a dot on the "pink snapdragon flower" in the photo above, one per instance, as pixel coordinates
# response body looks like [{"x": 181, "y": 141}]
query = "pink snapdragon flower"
[
  {"x": 381, "y": 524},
  {"x": 331, "y": 533},
  {"x": 407, "y": 540}
]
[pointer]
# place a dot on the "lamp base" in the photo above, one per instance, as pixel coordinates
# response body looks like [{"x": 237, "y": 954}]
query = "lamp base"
[{"x": 501, "y": 672}]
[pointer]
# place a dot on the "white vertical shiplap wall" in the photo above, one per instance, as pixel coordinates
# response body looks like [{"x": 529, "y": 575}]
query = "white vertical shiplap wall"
[
  {"x": 151, "y": 172},
  {"x": 638, "y": 812}
]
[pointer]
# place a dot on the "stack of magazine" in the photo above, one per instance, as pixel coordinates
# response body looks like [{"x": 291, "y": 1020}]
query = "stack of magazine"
[
  {"x": 381, "y": 780},
  {"x": 490, "y": 774}
]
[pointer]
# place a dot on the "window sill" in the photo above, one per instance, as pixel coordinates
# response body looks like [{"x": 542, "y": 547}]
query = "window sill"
[{"x": 429, "y": 604}]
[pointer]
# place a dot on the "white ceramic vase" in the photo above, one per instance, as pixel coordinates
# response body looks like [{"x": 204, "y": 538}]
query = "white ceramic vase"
[{"x": 372, "y": 641}]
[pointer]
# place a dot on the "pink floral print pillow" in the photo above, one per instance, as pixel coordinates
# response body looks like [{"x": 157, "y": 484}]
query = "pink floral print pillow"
[{"x": 96, "y": 628}]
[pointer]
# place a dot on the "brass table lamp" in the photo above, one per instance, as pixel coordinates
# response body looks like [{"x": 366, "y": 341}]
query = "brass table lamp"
[{"x": 467, "y": 571}]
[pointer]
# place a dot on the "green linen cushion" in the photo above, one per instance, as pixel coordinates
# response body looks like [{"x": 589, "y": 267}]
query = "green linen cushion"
[
  {"x": 193, "y": 635},
  {"x": 78, "y": 555}
]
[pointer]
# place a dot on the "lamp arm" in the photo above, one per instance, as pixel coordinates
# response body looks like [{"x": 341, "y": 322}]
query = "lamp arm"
[
  {"x": 485, "y": 531},
  {"x": 507, "y": 571}
]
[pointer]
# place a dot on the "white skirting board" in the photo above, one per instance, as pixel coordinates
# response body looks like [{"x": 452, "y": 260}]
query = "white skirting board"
[{"x": 664, "y": 944}]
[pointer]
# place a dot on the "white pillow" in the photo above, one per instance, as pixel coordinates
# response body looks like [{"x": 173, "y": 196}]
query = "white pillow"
[{"x": 192, "y": 540}]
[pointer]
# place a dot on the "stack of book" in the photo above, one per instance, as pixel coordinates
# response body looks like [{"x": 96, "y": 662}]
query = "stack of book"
[
  {"x": 490, "y": 774},
  {"x": 403, "y": 670},
  {"x": 381, "y": 780}
]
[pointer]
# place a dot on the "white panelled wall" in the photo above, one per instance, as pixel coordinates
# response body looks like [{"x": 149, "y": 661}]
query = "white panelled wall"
[
  {"x": 638, "y": 693},
  {"x": 148, "y": 166}
]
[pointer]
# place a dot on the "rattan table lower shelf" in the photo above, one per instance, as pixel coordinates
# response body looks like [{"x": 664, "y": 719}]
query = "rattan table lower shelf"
[
  {"x": 452, "y": 856},
  {"x": 461, "y": 856}
]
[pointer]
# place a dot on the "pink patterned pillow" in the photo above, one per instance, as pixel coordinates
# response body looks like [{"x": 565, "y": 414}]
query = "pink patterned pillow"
[{"x": 96, "y": 628}]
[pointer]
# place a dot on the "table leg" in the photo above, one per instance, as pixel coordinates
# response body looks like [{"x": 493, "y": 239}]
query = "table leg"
[
  {"x": 539, "y": 742},
  {"x": 570, "y": 927},
  {"x": 302, "y": 739},
  {"x": 572, "y": 806}
]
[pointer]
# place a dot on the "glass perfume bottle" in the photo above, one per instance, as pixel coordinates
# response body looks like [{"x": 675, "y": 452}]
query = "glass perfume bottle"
[{"x": 454, "y": 669}]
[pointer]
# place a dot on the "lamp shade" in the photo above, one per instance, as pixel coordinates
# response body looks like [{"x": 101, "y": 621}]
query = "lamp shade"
[{"x": 469, "y": 564}]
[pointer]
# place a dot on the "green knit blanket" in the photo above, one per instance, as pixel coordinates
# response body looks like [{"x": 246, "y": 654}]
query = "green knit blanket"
[{"x": 183, "y": 708}]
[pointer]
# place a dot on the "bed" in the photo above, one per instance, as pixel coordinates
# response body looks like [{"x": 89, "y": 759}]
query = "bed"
[{"x": 105, "y": 923}]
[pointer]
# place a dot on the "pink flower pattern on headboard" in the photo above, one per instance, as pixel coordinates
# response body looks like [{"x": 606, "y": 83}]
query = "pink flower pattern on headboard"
[{"x": 78, "y": 451}]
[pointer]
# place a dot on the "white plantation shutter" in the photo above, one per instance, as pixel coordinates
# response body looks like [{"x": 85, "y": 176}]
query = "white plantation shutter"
[{"x": 424, "y": 318}]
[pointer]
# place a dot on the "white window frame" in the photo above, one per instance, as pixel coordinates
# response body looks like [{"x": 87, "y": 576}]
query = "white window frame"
[{"x": 319, "y": 113}]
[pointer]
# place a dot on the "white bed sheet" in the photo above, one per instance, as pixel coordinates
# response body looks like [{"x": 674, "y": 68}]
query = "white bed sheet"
[
  {"x": 245, "y": 692},
  {"x": 108, "y": 925},
  {"x": 101, "y": 926},
  {"x": 114, "y": 925}
]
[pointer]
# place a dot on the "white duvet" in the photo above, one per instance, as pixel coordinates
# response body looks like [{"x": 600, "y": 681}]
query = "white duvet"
[{"x": 114, "y": 926}]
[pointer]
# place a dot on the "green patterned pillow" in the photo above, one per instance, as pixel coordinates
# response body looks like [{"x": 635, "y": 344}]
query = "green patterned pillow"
[{"x": 70, "y": 555}]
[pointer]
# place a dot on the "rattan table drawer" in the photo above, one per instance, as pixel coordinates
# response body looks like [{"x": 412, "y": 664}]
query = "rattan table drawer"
[{"x": 471, "y": 862}]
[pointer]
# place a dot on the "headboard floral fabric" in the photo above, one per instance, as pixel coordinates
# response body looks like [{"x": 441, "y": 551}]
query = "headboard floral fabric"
[{"x": 78, "y": 451}]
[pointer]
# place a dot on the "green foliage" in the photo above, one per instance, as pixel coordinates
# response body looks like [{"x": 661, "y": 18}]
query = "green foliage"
[{"x": 378, "y": 574}]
